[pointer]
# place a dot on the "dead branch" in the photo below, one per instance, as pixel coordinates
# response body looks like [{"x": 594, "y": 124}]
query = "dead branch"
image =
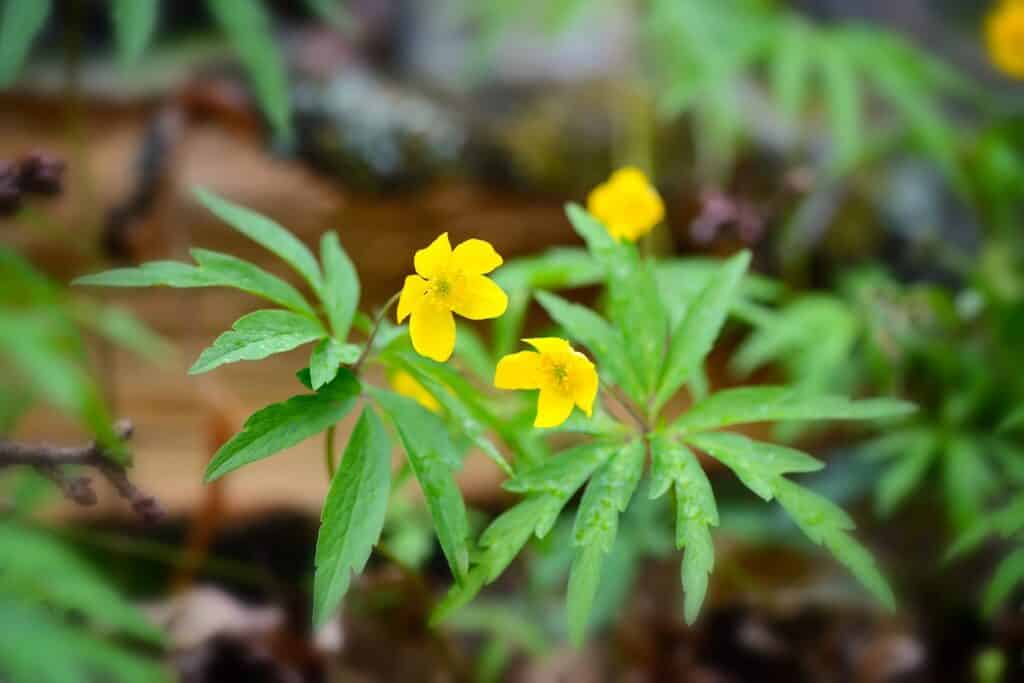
[{"x": 55, "y": 462}]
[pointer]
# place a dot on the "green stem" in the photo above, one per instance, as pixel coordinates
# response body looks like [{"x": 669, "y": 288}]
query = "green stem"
[
  {"x": 373, "y": 332},
  {"x": 641, "y": 422}
]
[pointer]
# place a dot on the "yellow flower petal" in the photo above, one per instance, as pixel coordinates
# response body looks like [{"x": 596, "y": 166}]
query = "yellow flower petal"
[
  {"x": 476, "y": 256},
  {"x": 434, "y": 259},
  {"x": 413, "y": 291},
  {"x": 549, "y": 344},
  {"x": 584, "y": 383},
  {"x": 519, "y": 371},
  {"x": 481, "y": 299},
  {"x": 1004, "y": 29},
  {"x": 432, "y": 330},
  {"x": 627, "y": 204},
  {"x": 406, "y": 385},
  {"x": 553, "y": 408}
]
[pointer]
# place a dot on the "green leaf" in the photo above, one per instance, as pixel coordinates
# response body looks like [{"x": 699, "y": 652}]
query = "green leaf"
[
  {"x": 257, "y": 335},
  {"x": 968, "y": 481},
  {"x": 234, "y": 272},
  {"x": 594, "y": 332},
  {"x": 1007, "y": 521},
  {"x": 39, "y": 647},
  {"x": 261, "y": 229},
  {"x": 215, "y": 270},
  {"x": 765, "y": 403},
  {"x": 696, "y": 333},
  {"x": 433, "y": 460},
  {"x": 694, "y": 537},
  {"x": 123, "y": 329},
  {"x": 247, "y": 26},
  {"x": 826, "y": 524},
  {"x": 341, "y": 285},
  {"x": 1008, "y": 575},
  {"x": 597, "y": 521},
  {"x": 499, "y": 545},
  {"x": 674, "y": 463},
  {"x": 44, "y": 348},
  {"x": 904, "y": 476},
  {"x": 756, "y": 463},
  {"x": 458, "y": 412},
  {"x": 696, "y": 511},
  {"x": 134, "y": 22},
  {"x": 1014, "y": 421},
  {"x": 39, "y": 567},
  {"x": 353, "y": 514},
  {"x": 327, "y": 359},
  {"x": 20, "y": 22},
  {"x": 282, "y": 425},
  {"x": 584, "y": 578},
  {"x": 634, "y": 301},
  {"x": 563, "y": 474}
]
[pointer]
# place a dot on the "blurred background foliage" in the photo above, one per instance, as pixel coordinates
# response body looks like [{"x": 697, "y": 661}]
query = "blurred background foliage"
[{"x": 868, "y": 153}]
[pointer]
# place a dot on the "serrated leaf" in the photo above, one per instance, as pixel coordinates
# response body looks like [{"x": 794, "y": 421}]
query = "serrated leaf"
[
  {"x": 590, "y": 329},
  {"x": 694, "y": 537},
  {"x": 341, "y": 285},
  {"x": 260, "y": 229},
  {"x": 134, "y": 22},
  {"x": 216, "y": 270},
  {"x": 765, "y": 403},
  {"x": 433, "y": 460},
  {"x": 596, "y": 526},
  {"x": 674, "y": 463},
  {"x": 20, "y": 23},
  {"x": 695, "y": 334},
  {"x": 257, "y": 335},
  {"x": 564, "y": 473},
  {"x": 40, "y": 567},
  {"x": 327, "y": 359},
  {"x": 826, "y": 524},
  {"x": 353, "y": 514},
  {"x": 283, "y": 425},
  {"x": 247, "y": 25},
  {"x": 756, "y": 463}
]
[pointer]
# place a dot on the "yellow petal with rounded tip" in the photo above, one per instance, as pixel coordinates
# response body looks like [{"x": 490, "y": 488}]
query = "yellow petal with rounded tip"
[
  {"x": 476, "y": 256},
  {"x": 434, "y": 259},
  {"x": 519, "y": 371},
  {"x": 585, "y": 383},
  {"x": 630, "y": 177},
  {"x": 432, "y": 330},
  {"x": 553, "y": 408},
  {"x": 482, "y": 298},
  {"x": 549, "y": 344},
  {"x": 413, "y": 291}
]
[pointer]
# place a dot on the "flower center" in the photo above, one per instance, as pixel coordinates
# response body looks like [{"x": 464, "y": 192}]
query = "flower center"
[{"x": 557, "y": 369}]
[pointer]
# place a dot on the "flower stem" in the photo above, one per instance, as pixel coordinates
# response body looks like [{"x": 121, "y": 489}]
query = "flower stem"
[
  {"x": 641, "y": 422},
  {"x": 329, "y": 460},
  {"x": 373, "y": 332}
]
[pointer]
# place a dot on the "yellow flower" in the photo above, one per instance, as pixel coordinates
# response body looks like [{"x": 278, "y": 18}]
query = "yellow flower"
[
  {"x": 449, "y": 281},
  {"x": 1004, "y": 31},
  {"x": 406, "y": 385},
  {"x": 565, "y": 378},
  {"x": 627, "y": 204}
]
